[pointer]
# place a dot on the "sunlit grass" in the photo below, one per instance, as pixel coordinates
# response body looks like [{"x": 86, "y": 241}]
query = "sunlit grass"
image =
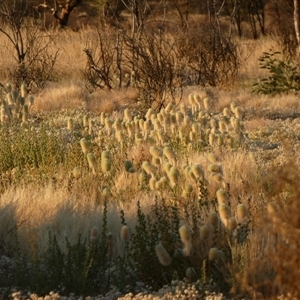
[{"x": 50, "y": 186}]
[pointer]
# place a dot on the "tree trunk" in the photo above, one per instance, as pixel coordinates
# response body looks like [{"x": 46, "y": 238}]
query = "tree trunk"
[
  {"x": 63, "y": 14},
  {"x": 296, "y": 21}
]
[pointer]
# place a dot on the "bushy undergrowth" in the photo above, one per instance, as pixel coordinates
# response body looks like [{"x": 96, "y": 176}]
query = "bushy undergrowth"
[
  {"x": 284, "y": 75},
  {"x": 193, "y": 229},
  {"x": 160, "y": 65}
]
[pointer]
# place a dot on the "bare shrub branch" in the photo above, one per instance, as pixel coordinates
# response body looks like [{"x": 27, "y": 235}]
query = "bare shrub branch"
[{"x": 34, "y": 62}]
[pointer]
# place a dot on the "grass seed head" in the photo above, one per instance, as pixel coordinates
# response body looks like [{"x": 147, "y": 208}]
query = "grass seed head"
[
  {"x": 120, "y": 136},
  {"x": 185, "y": 235},
  {"x": 197, "y": 99},
  {"x": 170, "y": 155},
  {"x": 162, "y": 254},
  {"x": 179, "y": 117},
  {"x": 102, "y": 118},
  {"x": 142, "y": 177},
  {"x": 215, "y": 168},
  {"x": 8, "y": 87},
  {"x": 204, "y": 232},
  {"x": 149, "y": 113},
  {"x": 147, "y": 125},
  {"x": 105, "y": 154},
  {"x": 188, "y": 188},
  {"x": 85, "y": 146},
  {"x": 213, "y": 254},
  {"x": 233, "y": 106},
  {"x": 9, "y": 99},
  {"x": 213, "y": 219},
  {"x": 206, "y": 104},
  {"x": 152, "y": 183},
  {"x": 211, "y": 139},
  {"x": 213, "y": 123},
  {"x": 108, "y": 125},
  {"x": 156, "y": 152},
  {"x": 223, "y": 127},
  {"x": 222, "y": 197},
  {"x": 23, "y": 90},
  {"x": 224, "y": 213},
  {"x": 76, "y": 172},
  {"x": 220, "y": 140},
  {"x": 160, "y": 118},
  {"x": 218, "y": 177},
  {"x": 188, "y": 249},
  {"x": 156, "y": 161},
  {"x": 241, "y": 213},
  {"x": 226, "y": 112},
  {"x": 169, "y": 107},
  {"x": 195, "y": 127},
  {"x": 85, "y": 121},
  {"x": 183, "y": 108},
  {"x": 105, "y": 192},
  {"x": 197, "y": 171},
  {"x": 238, "y": 113},
  {"x": 148, "y": 168},
  {"x": 127, "y": 115},
  {"x": 105, "y": 165},
  {"x": 173, "y": 175},
  {"x": 186, "y": 171},
  {"x": 125, "y": 233},
  {"x": 191, "y": 99},
  {"x": 70, "y": 124},
  {"x": 117, "y": 125},
  {"x": 167, "y": 167},
  {"x": 231, "y": 224},
  {"x": 94, "y": 234},
  {"x": 92, "y": 161}
]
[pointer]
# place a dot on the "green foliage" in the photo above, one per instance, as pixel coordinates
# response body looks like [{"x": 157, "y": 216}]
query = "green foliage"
[
  {"x": 81, "y": 267},
  {"x": 43, "y": 150},
  {"x": 284, "y": 75},
  {"x": 149, "y": 231},
  {"x": 89, "y": 267},
  {"x": 31, "y": 154}
]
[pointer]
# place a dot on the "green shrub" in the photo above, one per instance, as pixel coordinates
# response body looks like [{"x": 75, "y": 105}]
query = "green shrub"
[
  {"x": 80, "y": 267},
  {"x": 284, "y": 75}
]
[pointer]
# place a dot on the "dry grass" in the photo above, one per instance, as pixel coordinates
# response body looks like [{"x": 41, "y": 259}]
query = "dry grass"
[
  {"x": 55, "y": 97},
  {"x": 275, "y": 244},
  {"x": 249, "y": 53},
  {"x": 71, "y": 62},
  {"x": 38, "y": 210},
  {"x": 110, "y": 101},
  {"x": 272, "y": 141}
]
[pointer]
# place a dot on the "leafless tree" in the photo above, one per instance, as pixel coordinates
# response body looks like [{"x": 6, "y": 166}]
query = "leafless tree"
[
  {"x": 182, "y": 10},
  {"x": 33, "y": 61}
]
